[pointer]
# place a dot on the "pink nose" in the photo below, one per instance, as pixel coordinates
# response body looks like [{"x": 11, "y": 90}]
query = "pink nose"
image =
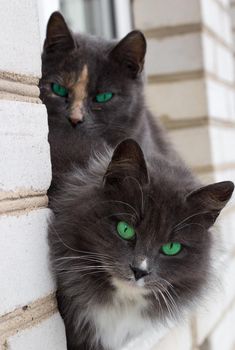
[{"x": 74, "y": 121}]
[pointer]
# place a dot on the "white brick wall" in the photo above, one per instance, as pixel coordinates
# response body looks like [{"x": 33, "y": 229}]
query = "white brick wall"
[
  {"x": 212, "y": 15},
  {"x": 24, "y": 148},
  {"x": 25, "y": 275},
  {"x": 220, "y": 100},
  {"x": 160, "y": 54},
  {"x": 217, "y": 58},
  {"x": 197, "y": 139},
  {"x": 180, "y": 338},
  {"x": 223, "y": 336},
  {"x": 218, "y": 302},
  {"x": 19, "y": 37},
  {"x": 49, "y": 334},
  {"x": 154, "y": 14},
  {"x": 190, "y": 69},
  {"x": 28, "y": 318},
  {"x": 223, "y": 142},
  {"x": 186, "y": 99}
]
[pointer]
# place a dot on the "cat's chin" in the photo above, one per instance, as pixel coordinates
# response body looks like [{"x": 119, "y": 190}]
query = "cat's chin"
[{"x": 129, "y": 287}]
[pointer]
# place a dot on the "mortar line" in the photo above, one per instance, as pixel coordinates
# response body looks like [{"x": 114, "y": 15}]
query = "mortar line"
[
  {"x": 185, "y": 29},
  {"x": 21, "y": 78},
  {"x": 194, "y": 122},
  {"x": 27, "y": 316},
  {"x": 27, "y": 203},
  {"x": 182, "y": 76},
  {"x": 20, "y": 193}
]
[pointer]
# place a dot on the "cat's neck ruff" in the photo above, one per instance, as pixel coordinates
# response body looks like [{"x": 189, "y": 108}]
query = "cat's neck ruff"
[{"x": 123, "y": 319}]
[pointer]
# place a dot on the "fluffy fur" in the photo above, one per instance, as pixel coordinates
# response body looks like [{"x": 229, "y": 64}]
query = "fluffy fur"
[{"x": 102, "y": 304}]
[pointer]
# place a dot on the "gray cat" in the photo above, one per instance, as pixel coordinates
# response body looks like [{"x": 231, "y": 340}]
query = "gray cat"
[
  {"x": 93, "y": 91},
  {"x": 130, "y": 245}
]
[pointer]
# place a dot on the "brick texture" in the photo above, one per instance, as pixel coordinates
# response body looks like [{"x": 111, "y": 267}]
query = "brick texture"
[
  {"x": 19, "y": 37},
  {"x": 190, "y": 71},
  {"x": 191, "y": 80},
  {"x": 160, "y": 52},
  {"x": 49, "y": 334},
  {"x": 28, "y": 316},
  {"x": 24, "y": 147},
  {"x": 25, "y": 274}
]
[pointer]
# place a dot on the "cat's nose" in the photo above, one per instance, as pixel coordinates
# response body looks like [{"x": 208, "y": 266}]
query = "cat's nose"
[
  {"x": 74, "y": 122},
  {"x": 139, "y": 273}
]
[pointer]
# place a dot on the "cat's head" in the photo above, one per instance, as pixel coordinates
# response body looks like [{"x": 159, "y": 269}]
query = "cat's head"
[
  {"x": 91, "y": 83},
  {"x": 146, "y": 230}
]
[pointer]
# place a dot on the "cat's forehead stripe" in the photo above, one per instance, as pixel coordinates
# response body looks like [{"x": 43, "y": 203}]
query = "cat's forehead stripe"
[
  {"x": 80, "y": 93},
  {"x": 80, "y": 88}
]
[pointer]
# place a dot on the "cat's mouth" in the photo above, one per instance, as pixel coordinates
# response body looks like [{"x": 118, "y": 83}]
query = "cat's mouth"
[{"x": 130, "y": 285}]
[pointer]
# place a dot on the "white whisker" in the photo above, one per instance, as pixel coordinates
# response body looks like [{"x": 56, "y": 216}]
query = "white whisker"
[{"x": 189, "y": 217}]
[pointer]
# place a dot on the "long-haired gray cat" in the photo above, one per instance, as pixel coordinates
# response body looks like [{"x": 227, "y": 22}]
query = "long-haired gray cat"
[{"x": 130, "y": 245}]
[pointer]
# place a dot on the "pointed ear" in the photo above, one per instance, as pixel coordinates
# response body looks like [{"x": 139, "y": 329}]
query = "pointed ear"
[
  {"x": 130, "y": 51},
  {"x": 127, "y": 161},
  {"x": 211, "y": 199},
  {"x": 58, "y": 35}
]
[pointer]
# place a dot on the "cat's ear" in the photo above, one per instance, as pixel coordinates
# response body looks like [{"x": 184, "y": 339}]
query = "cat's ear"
[
  {"x": 211, "y": 199},
  {"x": 130, "y": 51},
  {"x": 58, "y": 35},
  {"x": 127, "y": 162}
]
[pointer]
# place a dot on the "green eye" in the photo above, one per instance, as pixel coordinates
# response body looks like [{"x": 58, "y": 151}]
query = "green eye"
[
  {"x": 125, "y": 231},
  {"x": 104, "y": 97},
  {"x": 59, "y": 90},
  {"x": 172, "y": 248}
]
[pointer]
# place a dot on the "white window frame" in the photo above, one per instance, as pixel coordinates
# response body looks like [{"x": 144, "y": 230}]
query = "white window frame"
[
  {"x": 45, "y": 9},
  {"x": 123, "y": 17},
  {"x": 122, "y": 14}
]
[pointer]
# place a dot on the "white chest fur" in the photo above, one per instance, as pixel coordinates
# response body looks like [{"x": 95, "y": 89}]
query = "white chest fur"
[{"x": 123, "y": 320}]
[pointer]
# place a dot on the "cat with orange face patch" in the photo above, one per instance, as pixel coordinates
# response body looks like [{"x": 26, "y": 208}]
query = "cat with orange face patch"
[{"x": 93, "y": 91}]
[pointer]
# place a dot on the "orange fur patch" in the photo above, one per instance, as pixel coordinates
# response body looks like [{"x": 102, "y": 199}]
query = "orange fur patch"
[{"x": 80, "y": 93}]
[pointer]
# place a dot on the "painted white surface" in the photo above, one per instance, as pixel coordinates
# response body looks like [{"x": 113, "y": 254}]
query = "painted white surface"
[
  {"x": 218, "y": 60},
  {"x": 223, "y": 337},
  {"x": 48, "y": 335},
  {"x": 178, "y": 338},
  {"x": 232, "y": 13},
  {"x": 24, "y": 266},
  {"x": 221, "y": 100},
  {"x": 222, "y": 144},
  {"x": 210, "y": 315},
  {"x": 227, "y": 230},
  {"x": 25, "y": 154},
  {"x": 217, "y": 19},
  {"x": 122, "y": 12},
  {"x": 159, "y": 13},
  {"x": 45, "y": 9},
  {"x": 186, "y": 99},
  {"x": 19, "y": 37},
  {"x": 194, "y": 146},
  {"x": 174, "y": 54}
]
